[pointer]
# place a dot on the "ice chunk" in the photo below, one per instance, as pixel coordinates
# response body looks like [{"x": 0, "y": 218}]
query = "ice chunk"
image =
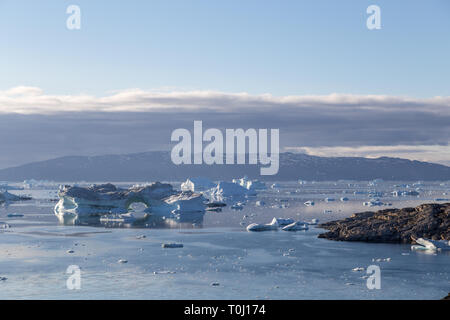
[
  {"x": 282, "y": 221},
  {"x": 250, "y": 184},
  {"x": 229, "y": 190},
  {"x": 309, "y": 203},
  {"x": 296, "y": 226},
  {"x": 263, "y": 227},
  {"x": 435, "y": 245},
  {"x": 197, "y": 184}
]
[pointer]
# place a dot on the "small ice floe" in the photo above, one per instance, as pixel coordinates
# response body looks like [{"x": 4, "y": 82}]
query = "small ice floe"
[
  {"x": 373, "y": 203},
  {"x": 197, "y": 184},
  {"x": 14, "y": 215},
  {"x": 122, "y": 261},
  {"x": 4, "y": 225},
  {"x": 260, "y": 203},
  {"x": 275, "y": 186},
  {"x": 3, "y": 278},
  {"x": 237, "y": 206},
  {"x": 381, "y": 260},
  {"x": 296, "y": 226},
  {"x": 309, "y": 203},
  {"x": 358, "y": 269},
  {"x": 431, "y": 245},
  {"x": 215, "y": 284},
  {"x": 327, "y": 211},
  {"x": 329, "y": 199},
  {"x": 70, "y": 251},
  {"x": 313, "y": 222},
  {"x": 264, "y": 227},
  {"x": 141, "y": 236},
  {"x": 343, "y": 199},
  {"x": 172, "y": 245},
  {"x": 282, "y": 221}
]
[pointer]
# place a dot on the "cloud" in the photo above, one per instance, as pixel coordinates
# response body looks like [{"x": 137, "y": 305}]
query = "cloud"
[
  {"x": 39, "y": 126},
  {"x": 32, "y": 100},
  {"x": 431, "y": 153}
]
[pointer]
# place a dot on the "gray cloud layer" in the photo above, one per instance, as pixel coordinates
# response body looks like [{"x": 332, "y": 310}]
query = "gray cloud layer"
[{"x": 35, "y": 126}]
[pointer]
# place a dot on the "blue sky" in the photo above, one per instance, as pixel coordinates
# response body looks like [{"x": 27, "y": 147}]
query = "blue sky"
[
  {"x": 278, "y": 47},
  {"x": 136, "y": 70}
]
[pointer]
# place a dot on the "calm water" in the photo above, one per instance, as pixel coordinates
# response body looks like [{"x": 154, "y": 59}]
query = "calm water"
[{"x": 217, "y": 249}]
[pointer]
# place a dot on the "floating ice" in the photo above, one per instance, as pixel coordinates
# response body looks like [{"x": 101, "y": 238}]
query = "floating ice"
[
  {"x": 4, "y": 225},
  {"x": 314, "y": 222},
  {"x": 5, "y": 196},
  {"x": 282, "y": 221},
  {"x": 122, "y": 261},
  {"x": 329, "y": 199},
  {"x": 296, "y": 226},
  {"x": 229, "y": 190},
  {"x": 432, "y": 245},
  {"x": 104, "y": 199},
  {"x": 309, "y": 203},
  {"x": 260, "y": 203},
  {"x": 263, "y": 227},
  {"x": 343, "y": 199},
  {"x": 250, "y": 184},
  {"x": 197, "y": 184},
  {"x": 358, "y": 269}
]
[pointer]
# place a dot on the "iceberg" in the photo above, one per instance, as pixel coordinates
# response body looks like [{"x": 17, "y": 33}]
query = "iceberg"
[
  {"x": 5, "y": 196},
  {"x": 282, "y": 221},
  {"x": 197, "y": 184},
  {"x": 309, "y": 203},
  {"x": 99, "y": 200},
  {"x": 263, "y": 227},
  {"x": 250, "y": 184},
  {"x": 229, "y": 189},
  {"x": 432, "y": 245},
  {"x": 296, "y": 226}
]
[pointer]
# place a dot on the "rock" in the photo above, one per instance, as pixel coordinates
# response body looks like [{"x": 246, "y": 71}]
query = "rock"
[
  {"x": 447, "y": 297},
  {"x": 431, "y": 221}
]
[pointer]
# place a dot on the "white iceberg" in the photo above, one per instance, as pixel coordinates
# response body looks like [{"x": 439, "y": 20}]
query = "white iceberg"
[
  {"x": 263, "y": 227},
  {"x": 98, "y": 200},
  {"x": 229, "y": 189},
  {"x": 309, "y": 203},
  {"x": 296, "y": 226},
  {"x": 250, "y": 184},
  {"x": 197, "y": 184},
  {"x": 432, "y": 245},
  {"x": 282, "y": 221},
  {"x": 5, "y": 196}
]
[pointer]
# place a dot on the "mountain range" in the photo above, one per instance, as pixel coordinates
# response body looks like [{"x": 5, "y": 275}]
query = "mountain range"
[{"x": 157, "y": 165}]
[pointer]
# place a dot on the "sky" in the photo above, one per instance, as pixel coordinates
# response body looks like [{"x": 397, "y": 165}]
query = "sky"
[{"x": 137, "y": 70}]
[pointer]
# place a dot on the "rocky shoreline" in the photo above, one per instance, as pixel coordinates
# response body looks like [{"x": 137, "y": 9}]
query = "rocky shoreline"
[{"x": 431, "y": 221}]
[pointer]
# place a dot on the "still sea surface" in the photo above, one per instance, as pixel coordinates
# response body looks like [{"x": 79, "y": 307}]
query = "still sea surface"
[{"x": 219, "y": 258}]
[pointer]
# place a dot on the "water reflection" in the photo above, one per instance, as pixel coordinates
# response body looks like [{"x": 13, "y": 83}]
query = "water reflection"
[{"x": 186, "y": 220}]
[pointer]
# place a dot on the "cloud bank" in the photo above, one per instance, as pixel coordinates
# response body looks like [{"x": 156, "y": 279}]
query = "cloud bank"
[
  {"x": 33, "y": 100},
  {"x": 37, "y": 126}
]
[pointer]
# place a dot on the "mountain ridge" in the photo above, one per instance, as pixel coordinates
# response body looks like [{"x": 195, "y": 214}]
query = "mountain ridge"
[{"x": 157, "y": 165}]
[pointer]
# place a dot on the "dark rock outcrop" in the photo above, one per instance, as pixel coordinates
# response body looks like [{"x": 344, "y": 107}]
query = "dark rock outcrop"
[{"x": 431, "y": 221}]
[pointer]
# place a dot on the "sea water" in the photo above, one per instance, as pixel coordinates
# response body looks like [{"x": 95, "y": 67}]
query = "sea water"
[{"x": 36, "y": 251}]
